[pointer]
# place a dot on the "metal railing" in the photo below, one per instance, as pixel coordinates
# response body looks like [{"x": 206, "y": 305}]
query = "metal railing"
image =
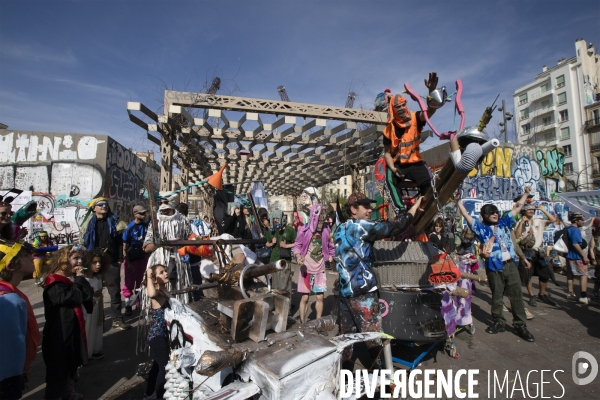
[
  {"x": 541, "y": 94},
  {"x": 541, "y": 111},
  {"x": 592, "y": 123}
]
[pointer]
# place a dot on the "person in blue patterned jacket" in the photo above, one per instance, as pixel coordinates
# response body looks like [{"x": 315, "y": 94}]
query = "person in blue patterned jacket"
[
  {"x": 353, "y": 240},
  {"x": 500, "y": 263}
]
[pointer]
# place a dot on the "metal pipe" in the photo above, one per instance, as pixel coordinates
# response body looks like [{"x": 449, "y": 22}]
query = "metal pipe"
[
  {"x": 266, "y": 269},
  {"x": 387, "y": 355},
  {"x": 256, "y": 271}
]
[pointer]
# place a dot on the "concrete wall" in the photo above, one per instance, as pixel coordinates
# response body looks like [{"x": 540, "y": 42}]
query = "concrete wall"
[{"x": 66, "y": 171}]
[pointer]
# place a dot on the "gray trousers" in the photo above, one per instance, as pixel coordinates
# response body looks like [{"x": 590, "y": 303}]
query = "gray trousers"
[
  {"x": 112, "y": 277},
  {"x": 508, "y": 281}
]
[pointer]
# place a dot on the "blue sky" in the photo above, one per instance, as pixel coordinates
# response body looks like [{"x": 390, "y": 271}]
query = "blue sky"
[{"x": 71, "y": 66}]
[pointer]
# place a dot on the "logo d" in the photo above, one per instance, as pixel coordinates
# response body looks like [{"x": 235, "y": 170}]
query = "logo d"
[{"x": 582, "y": 367}]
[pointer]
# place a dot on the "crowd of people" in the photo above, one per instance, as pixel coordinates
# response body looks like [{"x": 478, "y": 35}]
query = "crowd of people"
[{"x": 74, "y": 276}]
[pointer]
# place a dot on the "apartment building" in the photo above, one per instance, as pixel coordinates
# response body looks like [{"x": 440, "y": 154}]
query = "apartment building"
[
  {"x": 592, "y": 127},
  {"x": 557, "y": 109}
]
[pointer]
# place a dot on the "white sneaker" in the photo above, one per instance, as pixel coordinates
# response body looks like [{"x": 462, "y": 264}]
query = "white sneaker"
[
  {"x": 584, "y": 300},
  {"x": 504, "y": 309},
  {"x": 529, "y": 315}
]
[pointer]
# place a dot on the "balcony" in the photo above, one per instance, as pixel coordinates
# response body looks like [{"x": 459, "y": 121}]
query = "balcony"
[
  {"x": 523, "y": 117},
  {"x": 523, "y": 102},
  {"x": 542, "y": 111},
  {"x": 539, "y": 95},
  {"x": 544, "y": 127},
  {"x": 592, "y": 125},
  {"x": 559, "y": 85},
  {"x": 595, "y": 147},
  {"x": 596, "y": 173}
]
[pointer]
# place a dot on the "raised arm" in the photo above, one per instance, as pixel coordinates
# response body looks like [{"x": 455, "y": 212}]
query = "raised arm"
[
  {"x": 463, "y": 211},
  {"x": 150, "y": 289},
  {"x": 431, "y": 84},
  {"x": 551, "y": 219},
  {"x": 519, "y": 204}
]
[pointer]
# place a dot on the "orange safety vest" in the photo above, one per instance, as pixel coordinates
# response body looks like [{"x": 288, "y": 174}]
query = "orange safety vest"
[{"x": 404, "y": 149}]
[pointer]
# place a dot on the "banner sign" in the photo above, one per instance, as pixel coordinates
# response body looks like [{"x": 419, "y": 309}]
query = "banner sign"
[{"x": 587, "y": 203}]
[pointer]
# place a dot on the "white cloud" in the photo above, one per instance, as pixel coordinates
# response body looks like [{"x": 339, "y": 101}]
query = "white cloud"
[
  {"x": 105, "y": 90},
  {"x": 37, "y": 53}
]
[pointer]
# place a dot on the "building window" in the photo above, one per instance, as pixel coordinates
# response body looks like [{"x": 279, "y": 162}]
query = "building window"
[
  {"x": 345, "y": 192},
  {"x": 523, "y": 99},
  {"x": 562, "y": 98},
  {"x": 565, "y": 133},
  {"x": 563, "y": 115},
  {"x": 548, "y": 136},
  {"x": 345, "y": 181},
  {"x": 546, "y": 103},
  {"x": 526, "y": 129},
  {"x": 525, "y": 113},
  {"x": 545, "y": 87},
  {"x": 568, "y": 168},
  {"x": 548, "y": 120},
  {"x": 560, "y": 81},
  {"x": 567, "y": 150}
]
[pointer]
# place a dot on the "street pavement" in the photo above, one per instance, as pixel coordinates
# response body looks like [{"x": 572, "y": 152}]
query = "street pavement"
[{"x": 559, "y": 332}]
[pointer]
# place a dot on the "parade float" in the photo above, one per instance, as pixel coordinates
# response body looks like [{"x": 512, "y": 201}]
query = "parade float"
[{"x": 237, "y": 343}]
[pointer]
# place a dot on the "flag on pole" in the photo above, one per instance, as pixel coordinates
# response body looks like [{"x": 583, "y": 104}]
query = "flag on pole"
[{"x": 259, "y": 196}]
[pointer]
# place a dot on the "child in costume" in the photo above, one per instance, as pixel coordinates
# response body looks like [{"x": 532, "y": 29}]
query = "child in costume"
[
  {"x": 155, "y": 281},
  {"x": 312, "y": 248},
  {"x": 94, "y": 322},
  {"x": 64, "y": 345},
  {"x": 41, "y": 258},
  {"x": 19, "y": 335}
]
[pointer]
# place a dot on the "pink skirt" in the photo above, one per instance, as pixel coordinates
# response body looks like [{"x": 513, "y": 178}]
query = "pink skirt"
[{"x": 315, "y": 283}]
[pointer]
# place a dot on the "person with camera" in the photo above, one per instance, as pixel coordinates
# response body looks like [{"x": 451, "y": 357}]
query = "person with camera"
[
  {"x": 530, "y": 234},
  {"x": 499, "y": 255},
  {"x": 135, "y": 259}
]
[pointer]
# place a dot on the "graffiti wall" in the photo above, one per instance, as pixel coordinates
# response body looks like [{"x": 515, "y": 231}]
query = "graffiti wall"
[
  {"x": 126, "y": 178},
  {"x": 504, "y": 173},
  {"x": 65, "y": 171}
]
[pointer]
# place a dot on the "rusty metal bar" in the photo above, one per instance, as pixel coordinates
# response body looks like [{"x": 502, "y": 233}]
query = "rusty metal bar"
[{"x": 266, "y": 269}]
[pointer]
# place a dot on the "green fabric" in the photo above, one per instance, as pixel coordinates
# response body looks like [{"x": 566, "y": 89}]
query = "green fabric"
[
  {"x": 394, "y": 192},
  {"x": 510, "y": 280},
  {"x": 289, "y": 235},
  {"x": 22, "y": 215}
]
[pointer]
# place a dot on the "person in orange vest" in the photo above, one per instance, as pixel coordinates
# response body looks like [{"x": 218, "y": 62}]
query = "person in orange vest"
[{"x": 402, "y": 137}]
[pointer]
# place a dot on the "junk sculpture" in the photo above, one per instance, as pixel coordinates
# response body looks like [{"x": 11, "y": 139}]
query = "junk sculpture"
[
  {"x": 424, "y": 293},
  {"x": 236, "y": 344}
]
